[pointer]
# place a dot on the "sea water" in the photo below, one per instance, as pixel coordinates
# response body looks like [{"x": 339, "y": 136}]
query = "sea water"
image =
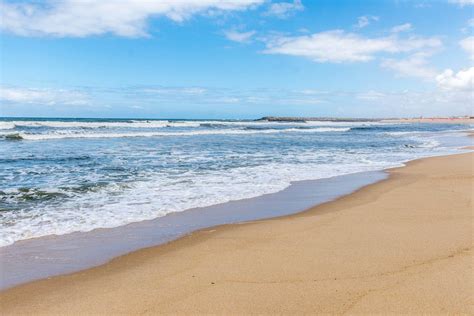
[{"x": 59, "y": 176}]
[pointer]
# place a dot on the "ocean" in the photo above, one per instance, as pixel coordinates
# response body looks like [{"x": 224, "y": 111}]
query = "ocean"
[{"x": 59, "y": 176}]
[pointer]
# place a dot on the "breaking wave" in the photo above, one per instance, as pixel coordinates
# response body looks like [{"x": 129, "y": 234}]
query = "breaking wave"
[{"x": 72, "y": 134}]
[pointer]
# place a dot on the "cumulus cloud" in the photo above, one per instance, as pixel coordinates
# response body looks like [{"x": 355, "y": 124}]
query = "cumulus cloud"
[
  {"x": 402, "y": 28},
  {"x": 72, "y": 18},
  {"x": 42, "y": 96},
  {"x": 462, "y": 80},
  {"x": 338, "y": 46},
  {"x": 365, "y": 20},
  {"x": 240, "y": 37},
  {"x": 284, "y": 10},
  {"x": 468, "y": 45}
]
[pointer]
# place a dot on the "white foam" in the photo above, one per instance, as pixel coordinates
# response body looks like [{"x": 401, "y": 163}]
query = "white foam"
[
  {"x": 118, "y": 204},
  {"x": 131, "y": 124},
  {"x": 70, "y": 134},
  {"x": 159, "y": 192},
  {"x": 402, "y": 133},
  {"x": 163, "y": 123},
  {"x": 7, "y": 125}
]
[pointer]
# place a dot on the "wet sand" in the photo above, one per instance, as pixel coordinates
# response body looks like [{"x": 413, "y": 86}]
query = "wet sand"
[{"x": 401, "y": 245}]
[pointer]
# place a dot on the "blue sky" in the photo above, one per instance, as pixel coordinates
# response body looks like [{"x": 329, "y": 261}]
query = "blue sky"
[{"x": 236, "y": 58}]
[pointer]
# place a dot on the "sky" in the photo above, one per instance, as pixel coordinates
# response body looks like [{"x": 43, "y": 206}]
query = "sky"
[{"x": 197, "y": 59}]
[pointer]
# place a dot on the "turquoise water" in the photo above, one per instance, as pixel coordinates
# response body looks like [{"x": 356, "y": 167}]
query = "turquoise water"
[{"x": 59, "y": 176}]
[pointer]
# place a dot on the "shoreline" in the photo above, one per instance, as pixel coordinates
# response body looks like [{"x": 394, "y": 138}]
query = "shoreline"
[
  {"x": 49, "y": 256},
  {"x": 433, "y": 120},
  {"x": 125, "y": 268},
  {"x": 43, "y": 257}
]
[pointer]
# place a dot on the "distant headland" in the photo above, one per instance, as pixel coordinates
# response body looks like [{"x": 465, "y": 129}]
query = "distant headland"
[{"x": 452, "y": 119}]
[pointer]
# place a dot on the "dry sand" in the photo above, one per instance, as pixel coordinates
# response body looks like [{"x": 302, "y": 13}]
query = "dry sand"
[{"x": 404, "y": 245}]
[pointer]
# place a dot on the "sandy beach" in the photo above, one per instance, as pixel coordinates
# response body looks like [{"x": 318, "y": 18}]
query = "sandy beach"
[
  {"x": 403, "y": 245},
  {"x": 434, "y": 120}
]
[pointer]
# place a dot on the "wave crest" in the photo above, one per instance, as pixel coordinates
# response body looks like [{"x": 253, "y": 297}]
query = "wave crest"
[{"x": 59, "y": 135}]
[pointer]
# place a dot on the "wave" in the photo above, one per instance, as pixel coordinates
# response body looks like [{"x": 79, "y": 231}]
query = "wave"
[
  {"x": 29, "y": 194},
  {"x": 166, "y": 123},
  {"x": 156, "y": 197},
  {"x": 138, "y": 124},
  {"x": 127, "y": 124},
  {"x": 12, "y": 136},
  {"x": 92, "y": 199},
  {"x": 26, "y": 136},
  {"x": 7, "y": 125},
  {"x": 44, "y": 159}
]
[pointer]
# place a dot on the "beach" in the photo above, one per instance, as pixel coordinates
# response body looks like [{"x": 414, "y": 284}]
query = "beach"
[
  {"x": 434, "y": 120},
  {"x": 403, "y": 245}
]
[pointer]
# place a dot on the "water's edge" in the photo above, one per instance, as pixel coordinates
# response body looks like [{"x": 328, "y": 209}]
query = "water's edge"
[{"x": 44, "y": 257}]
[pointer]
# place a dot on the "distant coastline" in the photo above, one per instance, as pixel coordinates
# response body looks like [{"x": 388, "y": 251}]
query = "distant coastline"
[
  {"x": 295, "y": 119},
  {"x": 453, "y": 119},
  {"x": 442, "y": 120}
]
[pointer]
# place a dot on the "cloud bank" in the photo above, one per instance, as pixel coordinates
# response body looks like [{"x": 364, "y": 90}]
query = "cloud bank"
[{"x": 454, "y": 97}]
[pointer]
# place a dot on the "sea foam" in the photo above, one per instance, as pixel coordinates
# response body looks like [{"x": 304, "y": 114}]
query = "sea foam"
[{"x": 56, "y": 179}]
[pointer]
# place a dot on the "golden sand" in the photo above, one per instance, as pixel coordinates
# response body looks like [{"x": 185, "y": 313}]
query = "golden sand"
[{"x": 404, "y": 245}]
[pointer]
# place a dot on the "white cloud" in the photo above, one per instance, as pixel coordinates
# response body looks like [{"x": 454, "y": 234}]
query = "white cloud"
[
  {"x": 311, "y": 92},
  {"x": 303, "y": 30},
  {"x": 415, "y": 65},
  {"x": 42, "y": 96},
  {"x": 462, "y": 2},
  {"x": 462, "y": 80},
  {"x": 422, "y": 5},
  {"x": 240, "y": 37},
  {"x": 175, "y": 90},
  {"x": 365, "y": 20},
  {"x": 402, "y": 28},
  {"x": 228, "y": 100},
  {"x": 469, "y": 25},
  {"x": 370, "y": 95},
  {"x": 407, "y": 103},
  {"x": 284, "y": 10},
  {"x": 307, "y": 100},
  {"x": 72, "y": 18},
  {"x": 468, "y": 45},
  {"x": 338, "y": 46}
]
